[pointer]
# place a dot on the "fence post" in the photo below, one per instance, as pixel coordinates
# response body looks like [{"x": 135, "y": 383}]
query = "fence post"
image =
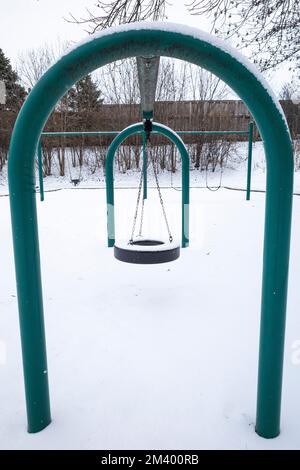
[{"x": 250, "y": 141}]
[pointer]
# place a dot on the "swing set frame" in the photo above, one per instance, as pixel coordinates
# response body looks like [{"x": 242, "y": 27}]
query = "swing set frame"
[
  {"x": 204, "y": 50},
  {"x": 245, "y": 133}
]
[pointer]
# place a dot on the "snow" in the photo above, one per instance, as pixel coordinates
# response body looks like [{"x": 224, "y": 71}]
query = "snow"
[
  {"x": 235, "y": 175},
  {"x": 187, "y": 31},
  {"x": 150, "y": 357},
  {"x": 153, "y": 248}
]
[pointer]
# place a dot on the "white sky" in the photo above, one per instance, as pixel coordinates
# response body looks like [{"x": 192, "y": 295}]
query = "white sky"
[{"x": 26, "y": 24}]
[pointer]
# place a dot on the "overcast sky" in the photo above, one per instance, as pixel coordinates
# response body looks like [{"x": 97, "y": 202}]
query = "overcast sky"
[{"x": 27, "y": 24}]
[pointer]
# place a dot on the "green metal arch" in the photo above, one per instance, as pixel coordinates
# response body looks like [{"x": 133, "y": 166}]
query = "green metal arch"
[
  {"x": 185, "y": 194},
  {"x": 203, "y": 50}
]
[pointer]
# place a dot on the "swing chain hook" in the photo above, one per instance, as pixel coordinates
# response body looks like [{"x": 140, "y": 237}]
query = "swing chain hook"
[{"x": 147, "y": 128}]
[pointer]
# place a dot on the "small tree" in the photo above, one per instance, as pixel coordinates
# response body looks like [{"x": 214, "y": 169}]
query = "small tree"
[
  {"x": 84, "y": 99},
  {"x": 14, "y": 97},
  {"x": 15, "y": 93},
  {"x": 85, "y": 96}
]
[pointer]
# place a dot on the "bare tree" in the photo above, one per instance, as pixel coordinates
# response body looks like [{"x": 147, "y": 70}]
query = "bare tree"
[
  {"x": 172, "y": 81},
  {"x": 79, "y": 101},
  {"x": 270, "y": 28},
  {"x": 34, "y": 62},
  {"x": 119, "y": 82},
  {"x": 122, "y": 11},
  {"x": 288, "y": 91}
]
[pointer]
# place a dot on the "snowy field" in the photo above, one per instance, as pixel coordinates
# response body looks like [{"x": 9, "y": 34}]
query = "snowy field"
[{"x": 149, "y": 357}]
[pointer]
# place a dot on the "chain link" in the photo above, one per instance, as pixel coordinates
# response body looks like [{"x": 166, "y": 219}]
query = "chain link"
[
  {"x": 160, "y": 198},
  {"x": 149, "y": 151},
  {"x": 142, "y": 218},
  {"x": 136, "y": 211}
]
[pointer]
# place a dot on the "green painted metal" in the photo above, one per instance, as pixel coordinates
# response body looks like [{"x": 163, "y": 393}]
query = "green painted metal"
[
  {"x": 40, "y": 167},
  {"x": 49, "y": 134},
  {"x": 130, "y": 41},
  {"x": 212, "y": 132},
  {"x": 147, "y": 114},
  {"x": 249, "y": 166},
  {"x": 145, "y": 165},
  {"x": 109, "y": 164}
]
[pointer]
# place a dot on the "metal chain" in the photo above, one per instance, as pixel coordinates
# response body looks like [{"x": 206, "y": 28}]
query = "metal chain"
[
  {"x": 160, "y": 197},
  {"x": 142, "y": 218},
  {"x": 137, "y": 209},
  {"x": 145, "y": 162},
  {"x": 211, "y": 188}
]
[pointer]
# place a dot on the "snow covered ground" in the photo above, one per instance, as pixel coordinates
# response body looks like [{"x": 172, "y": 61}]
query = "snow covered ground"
[{"x": 149, "y": 357}]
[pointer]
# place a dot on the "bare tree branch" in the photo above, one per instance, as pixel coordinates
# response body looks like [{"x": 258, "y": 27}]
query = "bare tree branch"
[
  {"x": 269, "y": 28},
  {"x": 121, "y": 11}
]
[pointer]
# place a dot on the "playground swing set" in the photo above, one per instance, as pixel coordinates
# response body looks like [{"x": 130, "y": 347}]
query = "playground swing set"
[
  {"x": 147, "y": 42},
  {"x": 142, "y": 250},
  {"x": 76, "y": 181}
]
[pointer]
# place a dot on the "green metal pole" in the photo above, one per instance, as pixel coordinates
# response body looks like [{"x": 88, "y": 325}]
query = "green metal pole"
[
  {"x": 182, "y": 43},
  {"x": 29, "y": 285},
  {"x": 110, "y": 198},
  {"x": 185, "y": 201},
  {"x": 145, "y": 115},
  {"x": 40, "y": 166},
  {"x": 145, "y": 163},
  {"x": 70, "y": 133},
  {"x": 249, "y": 167}
]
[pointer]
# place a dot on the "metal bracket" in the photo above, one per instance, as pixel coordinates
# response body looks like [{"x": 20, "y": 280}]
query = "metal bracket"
[{"x": 147, "y": 74}]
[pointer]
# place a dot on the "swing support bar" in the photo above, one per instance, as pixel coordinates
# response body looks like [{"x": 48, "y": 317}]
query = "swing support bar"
[{"x": 185, "y": 200}]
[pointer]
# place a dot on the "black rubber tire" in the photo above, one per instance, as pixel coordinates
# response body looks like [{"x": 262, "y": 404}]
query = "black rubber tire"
[{"x": 128, "y": 255}]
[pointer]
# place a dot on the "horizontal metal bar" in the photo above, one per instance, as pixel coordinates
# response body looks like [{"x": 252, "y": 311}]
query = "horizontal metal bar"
[
  {"x": 53, "y": 134},
  {"x": 212, "y": 132},
  {"x": 50, "y": 134}
]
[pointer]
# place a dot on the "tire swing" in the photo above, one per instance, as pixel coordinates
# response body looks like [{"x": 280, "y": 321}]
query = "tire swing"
[{"x": 143, "y": 250}]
